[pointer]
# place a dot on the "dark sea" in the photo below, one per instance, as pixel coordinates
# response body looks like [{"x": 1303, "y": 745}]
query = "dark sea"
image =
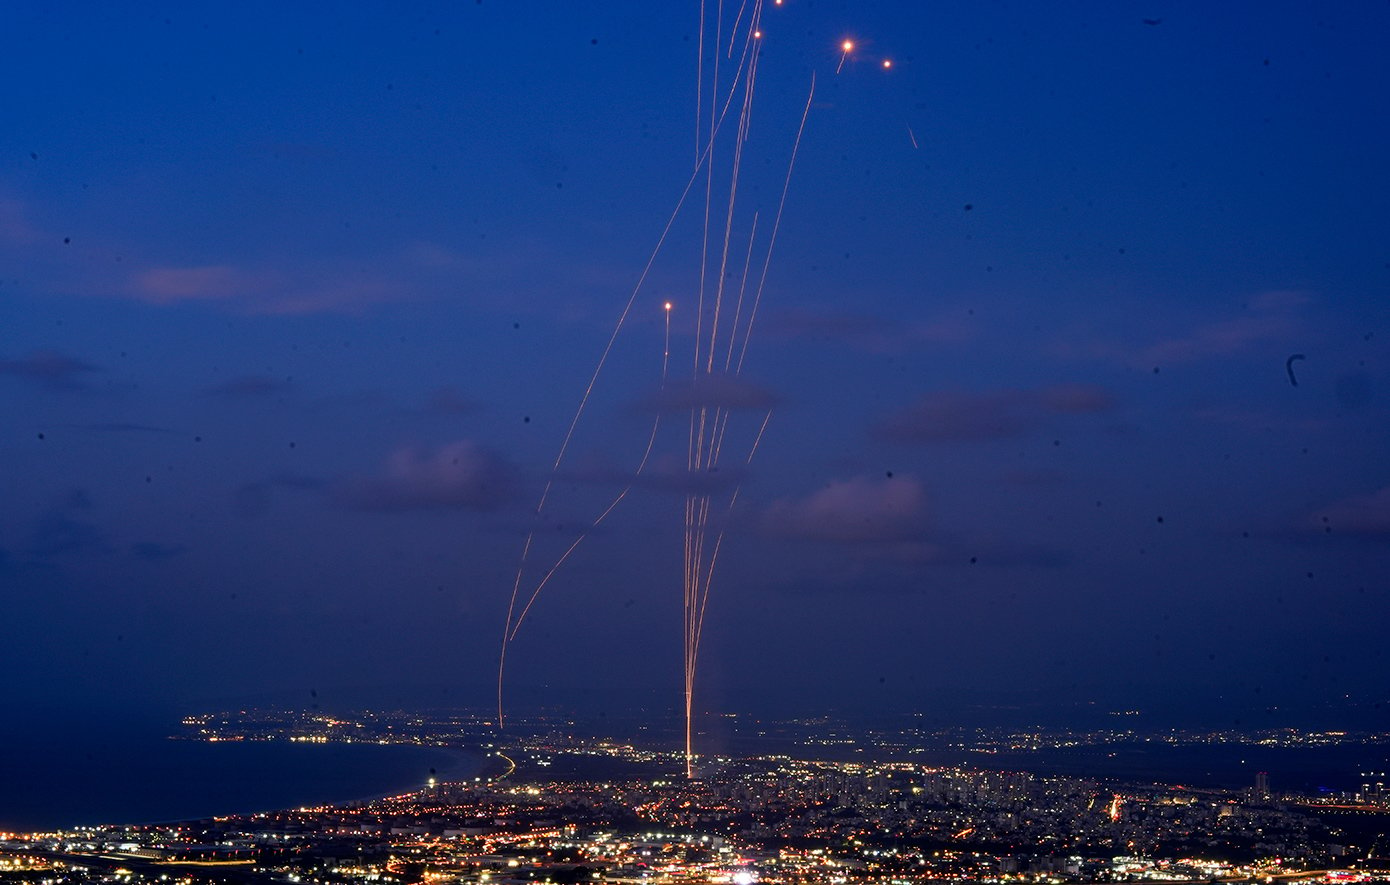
[
  {"x": 54, "y": 776},
  {"x": 1309, "y": 770}
]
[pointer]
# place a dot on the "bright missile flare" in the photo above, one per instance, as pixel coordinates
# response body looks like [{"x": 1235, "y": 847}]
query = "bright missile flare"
[
  {"x": 668, "y": 305},
  {"x": 846, "y": 46},
  {"x": 887, "y": 63}
]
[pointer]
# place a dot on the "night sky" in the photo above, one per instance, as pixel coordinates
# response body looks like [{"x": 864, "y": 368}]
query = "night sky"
[{"x": 297, "y": 303}]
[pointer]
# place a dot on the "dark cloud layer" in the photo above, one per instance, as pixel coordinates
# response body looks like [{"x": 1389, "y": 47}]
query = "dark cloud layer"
[
  {"x": 1269, "y": 316},
  {"x": 708, "y": 391},
  {"x": 449, "y": 401},
  {"x": 251, "y": 387},
  {"x": 951, "y": 416},
  {"x": 663, "y": 474},
  {"x": 460, "y": 475},
  {"x": 59, "y": 535},
  {"x": 121, "y": 427},
  {"x": 270, "y": 289},
  {"x": 857, "y": 510},
  {"x": 1367, "y": 514},
  {"x": 872, "y": 334},
  {"x": 49, "y": 369}
]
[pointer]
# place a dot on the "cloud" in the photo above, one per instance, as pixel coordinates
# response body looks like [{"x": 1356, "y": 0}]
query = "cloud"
[
  {"x": 948, "y": 415},
  {"x": 60, "y": 535},
  {"x": 250, "y": 387},
  {"x": 1285, "y": 300},
  {"x": 865, "y": 332},
  {"x": 15, "y": 228},
  {"x": 852, "y": 511},
  {"x": 460, "y": 475},
  {"x": 449, "y": 401},
  {"x": 898, "y": 570},
  {"x": 663, "y": 474},
  {"x": 344, "y": 295},
  {"x": 120, "y": 427},
  {"x": 209, "y": 282},
  {"x": 297, "y": 482},
  {"x": 1358, "y": 515},
  {"x": 708, "y": 391},
  {"x": 334, "y": 288},
  {"x": 49, "y": 369},
  {"x": 253, "y": 499},
  {"x": 1217, "y": 339},
  {"x": 1264, "y": 319},
  {"x": 953, "y": 416},
  {"x": 1075, "y": 399},
  {"x": 1269, "y": 316}
]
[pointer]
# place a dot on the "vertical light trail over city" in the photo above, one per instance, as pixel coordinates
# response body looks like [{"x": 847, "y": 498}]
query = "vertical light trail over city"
[
  {"x": 516, "y": 615},
  {"x": 722, "y": 324}
]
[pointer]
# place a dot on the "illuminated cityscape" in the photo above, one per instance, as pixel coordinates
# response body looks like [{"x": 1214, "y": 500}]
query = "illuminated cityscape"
[{"x": 556, "y": 806}]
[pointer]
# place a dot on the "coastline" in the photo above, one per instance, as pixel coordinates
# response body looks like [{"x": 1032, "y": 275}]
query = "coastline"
[{"x": 126, "y": 778}]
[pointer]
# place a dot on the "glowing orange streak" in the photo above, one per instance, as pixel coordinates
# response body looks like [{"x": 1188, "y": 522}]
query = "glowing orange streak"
[
  {"x": 776, "y": 225},
  {"x": 692, "y": 613},
  {"x": 717, "y": 444},
  {"x": 721, "y": 424},
  {"x": 709, "y": 183},
  {"x": 700, "y": 438},
  {"x": 646, "y": 455},
  {"x": 697, "y": 596},
  {"x": 742, "y": 288},
  {"x": 697, "y": 455},
  {"x": 580, "y": 539},
  {"x": 745, "y": 116},
  {"x": 507, "y": 631},
  {"x": 540, "y": 506},
  {"x": 696, "y": 440},
  {"x": 692, "y": 567},
  {"x": 699, "y": 83},
  {"x": 692, "y": 446},
  {"x": 733, "y": 337},
  {"x": 733, "y": 32},
  {"x": 507, "y": 628},
  {"x": 695, "y": 622},
  {"x": 641, "y": 466},
  {"x": 701, "y": 594},
  {"x": 733, "y": 499}
]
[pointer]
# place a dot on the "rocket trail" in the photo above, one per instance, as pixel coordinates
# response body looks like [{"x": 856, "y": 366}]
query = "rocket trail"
[
  {"x": 704, "y": 158},
  {"x": 704, "y": 450},
  {"x": 720, "y": 343}
]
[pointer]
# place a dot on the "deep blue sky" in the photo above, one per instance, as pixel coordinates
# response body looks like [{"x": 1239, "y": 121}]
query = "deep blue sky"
[{"x": 296, "y": 305}]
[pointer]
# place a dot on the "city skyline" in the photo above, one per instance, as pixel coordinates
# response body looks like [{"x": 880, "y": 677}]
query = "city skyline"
[{"x": 559, "y": 803}]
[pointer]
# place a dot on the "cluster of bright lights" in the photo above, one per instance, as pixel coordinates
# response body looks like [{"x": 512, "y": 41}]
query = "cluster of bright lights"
[{"x": 847, "y": 46}]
